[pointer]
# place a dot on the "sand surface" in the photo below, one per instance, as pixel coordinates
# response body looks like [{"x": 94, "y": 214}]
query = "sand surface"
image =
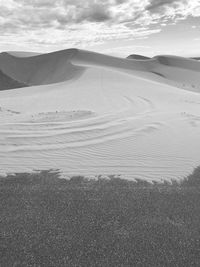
[{"x": 90, "y": 114}]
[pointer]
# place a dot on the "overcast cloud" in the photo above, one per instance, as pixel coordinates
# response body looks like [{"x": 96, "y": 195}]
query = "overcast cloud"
[{"x": 86, "y": 22}]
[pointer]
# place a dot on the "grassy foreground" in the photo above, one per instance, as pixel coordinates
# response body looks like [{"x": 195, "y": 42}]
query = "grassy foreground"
[{"x": 47, "y": 221}]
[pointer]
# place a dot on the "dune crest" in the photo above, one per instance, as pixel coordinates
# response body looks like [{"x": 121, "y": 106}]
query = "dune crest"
[
  {"x": 70, "y": 64},
  {"x": 60, "y": 66}
]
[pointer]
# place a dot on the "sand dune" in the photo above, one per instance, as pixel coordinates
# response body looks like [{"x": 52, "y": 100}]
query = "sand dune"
[
  {"x": 135, "y": 56},
  {"x": 94, "y": 114},
  {"x": 196, "y": 58},
  {"x": 69, "y": 64},
  {"x": 23, "y": 53},
  {"x": 40, "y": 69}
]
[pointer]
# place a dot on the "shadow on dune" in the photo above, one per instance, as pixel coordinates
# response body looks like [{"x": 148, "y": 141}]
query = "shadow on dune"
[
  {"x": 41, "y": 69},
  {"x": 8, "y": 83},
  {"x": 48, "y": 221}
]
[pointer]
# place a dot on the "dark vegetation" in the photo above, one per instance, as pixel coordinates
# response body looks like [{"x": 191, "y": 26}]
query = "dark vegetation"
[
  {"x": 7, "y": 82},
  {"x": 48, "y": 221}
]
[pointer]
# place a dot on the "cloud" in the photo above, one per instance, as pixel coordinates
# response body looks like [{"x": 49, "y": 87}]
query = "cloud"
[
  {"x": 176, "y": 9},
  {"x": 72, "y": 22},
  {"x": 94, "y": 13},
  {"x": 37, "y": 3},
  {"x": 156, "y": 4}
]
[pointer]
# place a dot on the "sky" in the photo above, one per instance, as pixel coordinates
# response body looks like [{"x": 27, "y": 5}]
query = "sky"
[{"x": 116, "y": 27}]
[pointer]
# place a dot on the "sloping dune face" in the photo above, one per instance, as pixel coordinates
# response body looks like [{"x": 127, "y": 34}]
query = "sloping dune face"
[
  {"x": 8, "y": 83},
  {"x": 92, "y": 114},
  {"x": 179, "y": 72}
]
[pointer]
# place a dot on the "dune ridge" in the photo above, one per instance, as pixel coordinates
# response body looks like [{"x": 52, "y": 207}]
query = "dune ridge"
[{"x": 69, "y": 64}]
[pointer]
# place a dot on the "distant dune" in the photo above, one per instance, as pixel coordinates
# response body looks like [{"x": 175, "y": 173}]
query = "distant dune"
[
  {"x": 90, "y": 114},
  {"x": 23, "y": 53},
  {"x": 140, "y": 57},
  {"x": 196, "y": 58}
]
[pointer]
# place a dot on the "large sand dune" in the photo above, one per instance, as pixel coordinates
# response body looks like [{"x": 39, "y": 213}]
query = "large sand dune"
[
  {"x": 92, "y": 114},
  {"x": 40, "y": 69}
]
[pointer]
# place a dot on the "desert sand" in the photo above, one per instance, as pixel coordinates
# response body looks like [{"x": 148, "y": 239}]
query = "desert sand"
[{"x": 92, "y": 114}]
